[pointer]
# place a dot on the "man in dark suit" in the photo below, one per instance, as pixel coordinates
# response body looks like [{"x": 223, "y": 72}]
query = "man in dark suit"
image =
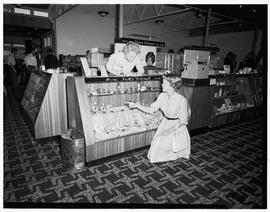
[{"x": 51, "y": 61}]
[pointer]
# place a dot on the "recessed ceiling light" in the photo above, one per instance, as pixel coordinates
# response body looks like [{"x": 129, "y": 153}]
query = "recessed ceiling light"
[
  {"x": 103, "y": 13},
  {"x": 158, "y": 22},
  {"x": 240, "y": 6},
  {"x": 254, "y": 10}
]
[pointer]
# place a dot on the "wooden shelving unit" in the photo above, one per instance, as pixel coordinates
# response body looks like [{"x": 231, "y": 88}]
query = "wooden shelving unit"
[
  {"x": 106, "y": 132},
  {"x": 45, "y": 103},
  {"x": 233, "y": 99}
]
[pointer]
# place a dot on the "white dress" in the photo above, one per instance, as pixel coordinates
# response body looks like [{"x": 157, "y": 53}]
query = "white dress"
[{"x": 175, "y": 144}]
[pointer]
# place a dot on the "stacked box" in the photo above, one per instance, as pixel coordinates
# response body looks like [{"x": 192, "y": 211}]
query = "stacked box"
[
  {"x": 168, "y": 61},
  {"x": 160, "y": 60},
  {"x": 97, "y": 59}
]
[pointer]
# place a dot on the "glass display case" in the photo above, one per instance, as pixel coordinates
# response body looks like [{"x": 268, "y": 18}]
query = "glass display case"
[
  {"x": 98, "y": 108},
  {"x": 233, "y": 99},
  {"x": 44, "y": 101},
  {"x": 258, "y": 86}
]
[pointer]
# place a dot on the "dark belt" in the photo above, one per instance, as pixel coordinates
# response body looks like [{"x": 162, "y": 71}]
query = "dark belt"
[{"x": 170, "y": 118}]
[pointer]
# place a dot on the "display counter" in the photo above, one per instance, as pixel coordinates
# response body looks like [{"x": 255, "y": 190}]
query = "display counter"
[
  {"x": 44, "y": 102},
  {"x": 97, "y": 109},
  {"x": 199, "y": 96},
  {"x": 234, "y": 98}
]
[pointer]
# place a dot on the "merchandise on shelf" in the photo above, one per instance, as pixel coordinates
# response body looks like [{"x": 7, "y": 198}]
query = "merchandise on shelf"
[
  {"x": 234, "y": 99},
  {"x": 99, "y": 108},
  {"x": 232, "y": 94},
  {"x": 121, "y": 121}
]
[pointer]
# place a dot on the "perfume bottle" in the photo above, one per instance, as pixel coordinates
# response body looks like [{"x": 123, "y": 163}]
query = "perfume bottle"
[
  {"x": 103, "y": 108},
  {"x": 118, "y": 88},
  {"x": 138, "y": 86},
  {"x": 95, "y": 107}
]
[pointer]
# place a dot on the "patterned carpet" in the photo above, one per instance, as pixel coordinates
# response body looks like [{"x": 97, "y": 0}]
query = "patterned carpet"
[{"x": 227, "y": 169}]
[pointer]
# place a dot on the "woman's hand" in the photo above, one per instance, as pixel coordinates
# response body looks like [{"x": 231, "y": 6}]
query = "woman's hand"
[
  {"x": 133, "y": 105},
  {"x": 118, "y": 69}
]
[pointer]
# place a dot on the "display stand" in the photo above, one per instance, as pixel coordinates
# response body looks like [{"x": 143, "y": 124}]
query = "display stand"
[
  {"x": 234, "y": 99},
  {"x": 199, "y": 95},
  {"x": 97, "y": 109},
  {"x": 44, "y": 101}
]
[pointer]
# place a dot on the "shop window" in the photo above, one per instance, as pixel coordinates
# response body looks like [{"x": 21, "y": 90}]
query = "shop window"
[
  {"x": 18, "y": 45},
  {"x": 7, "y": 9},
  {"x": 42, "y": 14},
  {"x": 22, "y": 11}
]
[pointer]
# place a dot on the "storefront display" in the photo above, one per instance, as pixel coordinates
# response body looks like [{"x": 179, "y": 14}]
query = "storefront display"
[
  {"x": 258, "y": 88},
  {"x": 233, "y": 99},
  {"x": 44, "y": 102},
  {"x": 97, "y": 107}
]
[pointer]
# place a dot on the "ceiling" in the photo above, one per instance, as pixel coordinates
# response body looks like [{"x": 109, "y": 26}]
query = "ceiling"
[
  {"x": 256, "y": 13},
  {"x": 246, "y": 13}
]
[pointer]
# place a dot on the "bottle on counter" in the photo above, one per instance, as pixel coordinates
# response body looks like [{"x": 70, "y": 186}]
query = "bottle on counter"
[{"x": 95, "y": 107}]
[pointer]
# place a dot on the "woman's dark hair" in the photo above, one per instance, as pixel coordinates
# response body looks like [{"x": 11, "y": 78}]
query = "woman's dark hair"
[
  {"x": 49, "y": 50},
  {"x": 13, "y": 50},
  {"x": 150, "y": 55}
]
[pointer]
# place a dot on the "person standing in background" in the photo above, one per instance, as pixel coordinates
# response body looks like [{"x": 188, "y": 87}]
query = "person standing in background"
[
  {"x": 249, "y": 61},
  {"x": 51, "y": 61},
  {"x": 230, "y": 60},
  {"x": 30, "y": 62},
  {"x": 11, "y": 73},
  {"x": 11, "y": 60},
  {"x": 123, "y": 63}
]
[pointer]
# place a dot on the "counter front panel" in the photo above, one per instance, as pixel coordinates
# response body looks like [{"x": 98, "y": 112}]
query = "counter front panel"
[{"x": 98, "y": 108}]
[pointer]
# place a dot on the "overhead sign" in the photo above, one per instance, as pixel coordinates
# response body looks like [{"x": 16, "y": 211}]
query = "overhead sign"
[{"x": 141, "y": 42}]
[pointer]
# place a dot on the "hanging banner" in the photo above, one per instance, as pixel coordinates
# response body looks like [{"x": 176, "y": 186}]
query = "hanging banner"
[{"x": 141, "y": 42}]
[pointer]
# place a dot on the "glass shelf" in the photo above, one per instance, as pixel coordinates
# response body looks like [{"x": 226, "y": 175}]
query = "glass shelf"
[
  {"x": 142, "y": 130},
  {"x": 218, "y": 113},
  {"x": 232, "y": 96},
  {"x": 224, "y": 85},
  {"x": 123, "y": 122},
  {"x": 110, "y": 94}
]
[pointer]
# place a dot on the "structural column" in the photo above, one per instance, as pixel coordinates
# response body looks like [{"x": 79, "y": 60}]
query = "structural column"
[{"x": 207, "y": 27}]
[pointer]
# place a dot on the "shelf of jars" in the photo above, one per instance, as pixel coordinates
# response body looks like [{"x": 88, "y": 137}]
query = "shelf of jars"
[
  {"x": 97, "y": 108},
  {"x": 233, "y": 108},
  {"x": 117, "y": 122}
]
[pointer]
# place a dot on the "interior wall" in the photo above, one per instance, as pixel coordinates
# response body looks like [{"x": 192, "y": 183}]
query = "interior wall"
[
  {"x": 173, "y": 40},
  {"x": 240, "y": 42},
  {"x": 82, "y": 28}
]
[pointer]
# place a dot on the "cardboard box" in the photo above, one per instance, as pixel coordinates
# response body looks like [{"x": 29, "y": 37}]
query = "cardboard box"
[
  {"x": 168, "y": 61},
  {"x": 96, "y": 59}
]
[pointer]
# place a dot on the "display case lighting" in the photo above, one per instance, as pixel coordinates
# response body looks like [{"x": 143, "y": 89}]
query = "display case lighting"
[{"x": 22, "y": 11}]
